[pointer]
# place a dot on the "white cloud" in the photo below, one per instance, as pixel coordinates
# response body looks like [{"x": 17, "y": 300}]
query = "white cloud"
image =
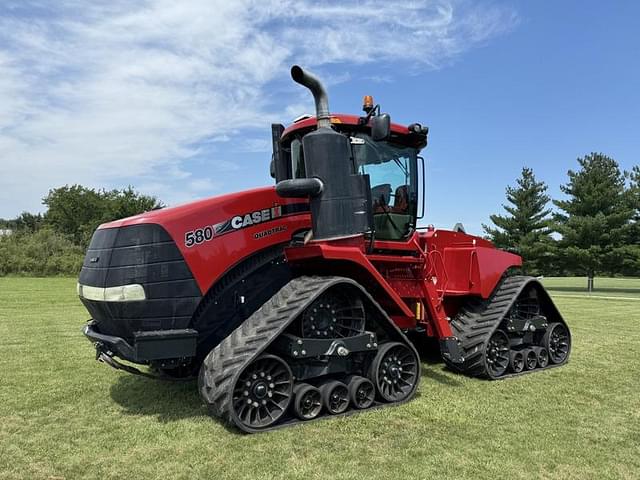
[
  {"x": 260, "y": 145},
  {"x": 104, "y": 93}
]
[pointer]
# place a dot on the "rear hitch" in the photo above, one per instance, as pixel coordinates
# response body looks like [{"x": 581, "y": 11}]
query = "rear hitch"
[
  {"x": 99, "y": 350},
  {"x": 106, "y": 357}
]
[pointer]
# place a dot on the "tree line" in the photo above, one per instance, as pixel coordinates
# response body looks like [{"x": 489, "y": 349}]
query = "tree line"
[
  {"x": 595, "y": 230},
  {"x": 54, "y": 243}
]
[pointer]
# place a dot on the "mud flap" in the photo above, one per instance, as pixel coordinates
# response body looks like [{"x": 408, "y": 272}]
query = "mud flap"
[{"x": 450, "y": 350}]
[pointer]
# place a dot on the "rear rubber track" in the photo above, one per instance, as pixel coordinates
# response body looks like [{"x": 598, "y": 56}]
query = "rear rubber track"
[{"x": 477, "y": 321}]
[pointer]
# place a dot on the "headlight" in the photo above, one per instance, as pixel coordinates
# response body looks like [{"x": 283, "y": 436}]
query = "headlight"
[{"x": 124, "y": 293}]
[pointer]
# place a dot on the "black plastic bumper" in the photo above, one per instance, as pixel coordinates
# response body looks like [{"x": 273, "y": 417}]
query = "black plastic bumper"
[{"x": 147, "y": 346}]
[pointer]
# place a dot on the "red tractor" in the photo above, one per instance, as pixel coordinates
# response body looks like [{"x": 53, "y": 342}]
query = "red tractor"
[{"x": 294, "y": 302}]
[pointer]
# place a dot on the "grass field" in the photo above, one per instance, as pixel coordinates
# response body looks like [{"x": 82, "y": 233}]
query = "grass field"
[
  {"x": 603, "y": 287},
  {"x": 63, "y": 415}
]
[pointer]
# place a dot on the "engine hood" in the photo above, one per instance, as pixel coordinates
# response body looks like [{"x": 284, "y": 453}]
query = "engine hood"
[{"x": 215, "y": 233}]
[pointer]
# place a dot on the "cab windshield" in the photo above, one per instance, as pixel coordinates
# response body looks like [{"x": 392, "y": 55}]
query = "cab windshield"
[{"x": 392, "y": 175}]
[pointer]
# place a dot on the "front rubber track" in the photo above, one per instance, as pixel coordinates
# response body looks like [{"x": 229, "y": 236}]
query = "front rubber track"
[
  {"x": 478, "y": 319},
  {"x": 223, "y": 365}
]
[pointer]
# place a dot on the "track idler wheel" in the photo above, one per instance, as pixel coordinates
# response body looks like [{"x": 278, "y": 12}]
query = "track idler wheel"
[
  {"x": 530, "y": 359},
  {"x": 557, "y": 342},
  {"x": 517, "y": 361},
  {"x": 394, "y": 372},
  {"x": 335, "y": 397},
  {"x": 307, "y": 403},
  {"x": 263, "y": 392},
  {"x": 362, "y": 393},
  {"x": 497, "y": 354},
  {"x": 543, "y": 357}
]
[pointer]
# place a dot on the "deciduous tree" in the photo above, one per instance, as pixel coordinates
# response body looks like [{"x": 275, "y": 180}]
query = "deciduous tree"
[{"x": 77, "y": 211}]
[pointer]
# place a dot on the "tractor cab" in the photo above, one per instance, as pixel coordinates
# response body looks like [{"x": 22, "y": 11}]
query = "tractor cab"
[
  {"x": 393, "y": 179},
  {"x": 384, "y": 155}
]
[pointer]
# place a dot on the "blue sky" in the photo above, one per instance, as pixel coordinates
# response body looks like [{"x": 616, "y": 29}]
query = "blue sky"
[{"x": 176, "y": 98}]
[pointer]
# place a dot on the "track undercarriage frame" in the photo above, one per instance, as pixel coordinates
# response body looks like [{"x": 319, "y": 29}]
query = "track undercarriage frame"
[{"x": 509, "y": 333}]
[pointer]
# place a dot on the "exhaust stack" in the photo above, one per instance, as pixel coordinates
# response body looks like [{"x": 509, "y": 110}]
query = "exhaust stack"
[
  {"x": 314, "y": 84},
  {"x": 338, "y": 196}
]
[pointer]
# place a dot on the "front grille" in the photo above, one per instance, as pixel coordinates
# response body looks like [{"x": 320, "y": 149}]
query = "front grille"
[{"x": 143, "y": 254}]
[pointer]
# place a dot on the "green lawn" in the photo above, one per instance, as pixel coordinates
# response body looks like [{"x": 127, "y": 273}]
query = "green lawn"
[
  {"x": 63, "y": 415},
  {"x": 603, "y": 287}
]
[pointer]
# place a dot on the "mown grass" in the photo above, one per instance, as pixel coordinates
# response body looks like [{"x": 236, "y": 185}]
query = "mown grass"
[
  {"x": 619, "y": 287},
  {"x": 63, "y": 415}
]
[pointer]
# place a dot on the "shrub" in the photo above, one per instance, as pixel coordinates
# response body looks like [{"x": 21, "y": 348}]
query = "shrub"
[{"x": 42, "y": 253}]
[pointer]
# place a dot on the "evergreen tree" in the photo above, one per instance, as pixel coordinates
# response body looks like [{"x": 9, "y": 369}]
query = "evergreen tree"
[
  {"x": 594, "y": 222},
  {"x": 630, "y": 253},
  {"x": 525, "y": 230},
  {"x": 634, "y": 203}
]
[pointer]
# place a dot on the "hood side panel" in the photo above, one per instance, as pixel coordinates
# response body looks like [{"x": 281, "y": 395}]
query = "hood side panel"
[{"x": 238, "y": 225}]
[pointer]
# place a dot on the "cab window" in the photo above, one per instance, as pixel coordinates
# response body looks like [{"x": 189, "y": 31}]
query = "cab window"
[{"x": 391, "y": 169}]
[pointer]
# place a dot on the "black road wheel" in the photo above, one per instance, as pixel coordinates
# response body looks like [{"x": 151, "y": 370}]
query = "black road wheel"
[
  {"x": 307, "y": 402},
  {"x": 335, "y": 314},
  {"x": 517, "y": 361},
  {"x": 530, "y": 359},
  {"x": 394, "y": 372},
  {"x": 361, "y": 391},
  {"x": 263, "y": 392},
  {"x": 557, "y": 342},
  {"x": 543, "y": 357},
  {"x": 335, "y": 397},
  {"x": 497, "y": 354}
]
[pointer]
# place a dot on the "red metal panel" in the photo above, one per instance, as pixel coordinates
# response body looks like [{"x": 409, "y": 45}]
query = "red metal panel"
[
  {"x": 350, "y": 253},
  {"x": 338, "y": 118},
  {"x": 492, "y": 263},
  {"x": 209, "y": 260},
  {"x": 472, "y": 265},
  {"x": 427, "y": 267}
]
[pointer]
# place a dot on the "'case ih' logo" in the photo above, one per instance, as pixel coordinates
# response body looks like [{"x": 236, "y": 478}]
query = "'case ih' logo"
[
  {"x": 253, "y": 218},
  {"x": 204, "y": 234}
]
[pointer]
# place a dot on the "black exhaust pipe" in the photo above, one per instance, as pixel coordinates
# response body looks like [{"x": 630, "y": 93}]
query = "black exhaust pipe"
[
  {"x": 339, "y": 196},
  {"x": 314, "y": 84}
]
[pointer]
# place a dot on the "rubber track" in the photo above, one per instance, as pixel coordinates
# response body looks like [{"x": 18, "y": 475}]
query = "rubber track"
[
  {"x": 477, "y": 321},
  {"x": 226, "y": 361}
]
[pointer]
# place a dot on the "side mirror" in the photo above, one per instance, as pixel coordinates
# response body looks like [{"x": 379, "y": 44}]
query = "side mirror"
[
  {"x": 422, "y": 194},
  {"x": 380, "y": 127},
  {"x": 272, "y": 168},
  {"x": 279, "y": 161}
]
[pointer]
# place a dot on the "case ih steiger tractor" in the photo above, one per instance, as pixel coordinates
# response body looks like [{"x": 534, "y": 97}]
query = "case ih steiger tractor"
[{"x": 292, "y": 303}]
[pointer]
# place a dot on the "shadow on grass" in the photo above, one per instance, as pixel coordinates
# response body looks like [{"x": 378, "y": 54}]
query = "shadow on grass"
[
  {"x": 435, "y": 373},
  {"x": 168, "y": 401},
  {"x": 428, "y": 348},
  {"x": 431, "y": 359},
  {"x": 634, "y": 291}
]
